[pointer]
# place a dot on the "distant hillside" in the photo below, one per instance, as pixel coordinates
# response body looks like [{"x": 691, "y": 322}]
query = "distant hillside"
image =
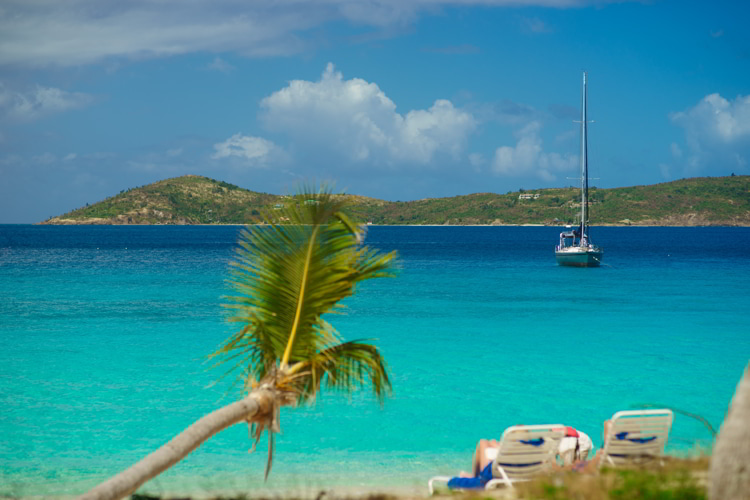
[
  {"x": 183, "y": 200},
  {"x": 189, "y": 199},
  {"x": 199, "y": 200}
]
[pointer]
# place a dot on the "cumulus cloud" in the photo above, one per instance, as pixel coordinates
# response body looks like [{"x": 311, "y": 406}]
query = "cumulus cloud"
[
  {"x": 528, "y": 157},
  {"x": 355, "y": 118},
  {"x": 38, "y": 101},
  {"x": 79, "y": 32},
  {"x": 717, "y": 132},
  {"x": 255, "y": 151}
]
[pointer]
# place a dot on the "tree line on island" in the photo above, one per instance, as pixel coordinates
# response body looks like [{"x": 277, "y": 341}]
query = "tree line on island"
[{"x": 200, "y": 200}]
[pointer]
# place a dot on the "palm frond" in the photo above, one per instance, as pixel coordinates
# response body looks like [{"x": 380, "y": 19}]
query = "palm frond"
[
  {"x": 343, "y": 367},
  {"x": 286, "y": 276}
]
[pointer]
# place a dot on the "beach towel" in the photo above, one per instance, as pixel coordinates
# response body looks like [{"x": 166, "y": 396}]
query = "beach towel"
[{"x": 472, "y": 483}]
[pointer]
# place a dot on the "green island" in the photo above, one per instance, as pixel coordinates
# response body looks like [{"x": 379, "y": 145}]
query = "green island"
[{"x": 191, "y": 199}]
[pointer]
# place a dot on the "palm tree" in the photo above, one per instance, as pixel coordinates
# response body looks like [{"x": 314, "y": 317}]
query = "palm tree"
[
  {"x": 730, "y": 460},
  {"x": 285, "y": 276}
]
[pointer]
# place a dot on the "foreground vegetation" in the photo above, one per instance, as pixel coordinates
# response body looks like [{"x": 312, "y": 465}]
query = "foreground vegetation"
[
  {"x": 678, "y": 479},
  {"x": 200, "y": 200}
]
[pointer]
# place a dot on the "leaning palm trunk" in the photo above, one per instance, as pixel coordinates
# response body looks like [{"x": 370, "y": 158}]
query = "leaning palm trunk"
[
  {"x": 256, "y": 405},
  {"x": 730, "y": 462},
  {"x": 286, "y": 278}
]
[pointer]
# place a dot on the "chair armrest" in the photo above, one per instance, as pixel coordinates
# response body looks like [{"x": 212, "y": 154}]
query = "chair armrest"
[{"x": 442, "y": 479}]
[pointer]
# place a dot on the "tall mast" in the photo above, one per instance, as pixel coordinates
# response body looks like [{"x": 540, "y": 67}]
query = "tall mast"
[{"x": 584, "y": 163}]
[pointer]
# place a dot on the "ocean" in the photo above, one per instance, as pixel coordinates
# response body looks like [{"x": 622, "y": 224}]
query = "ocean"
[{"x": 105, "y": 331}]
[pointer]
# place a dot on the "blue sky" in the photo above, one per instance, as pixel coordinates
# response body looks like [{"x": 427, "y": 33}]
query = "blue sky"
[{"x": 392, "y": 99}]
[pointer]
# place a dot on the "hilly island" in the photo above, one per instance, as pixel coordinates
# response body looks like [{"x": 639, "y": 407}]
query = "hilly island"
[{"x": 191, "y": 199}]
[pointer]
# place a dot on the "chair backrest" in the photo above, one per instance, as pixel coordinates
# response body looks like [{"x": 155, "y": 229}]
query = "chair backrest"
[
  {"x": 636, "y": 436},
  {"x": 526, "y": 450}
]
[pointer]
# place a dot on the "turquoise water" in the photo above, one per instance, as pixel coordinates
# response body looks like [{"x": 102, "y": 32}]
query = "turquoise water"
[{"x": 104, "y": 331}]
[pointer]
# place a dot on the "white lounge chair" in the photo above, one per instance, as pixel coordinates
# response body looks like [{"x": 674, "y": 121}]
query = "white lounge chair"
[
  {"x": 525, "y": 450},
  {"x": 636, "y": 437}
]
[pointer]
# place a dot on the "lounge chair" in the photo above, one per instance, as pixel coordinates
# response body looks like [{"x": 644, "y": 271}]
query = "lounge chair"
[
  {"x": 525, "y": 450},
  {"x": 636, "y": 437}
]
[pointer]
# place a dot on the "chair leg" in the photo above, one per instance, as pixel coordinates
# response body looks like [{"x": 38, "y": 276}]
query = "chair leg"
[
  {"x": 505, "y": 477},
  {"x": 442, "y": 479}
]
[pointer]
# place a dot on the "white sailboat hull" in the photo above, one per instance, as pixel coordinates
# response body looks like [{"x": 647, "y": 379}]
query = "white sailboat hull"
[{"x": 579, "y": 256}]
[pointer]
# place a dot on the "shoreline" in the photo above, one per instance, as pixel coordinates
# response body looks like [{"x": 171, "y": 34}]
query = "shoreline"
[{"x": 44, "y": 223}]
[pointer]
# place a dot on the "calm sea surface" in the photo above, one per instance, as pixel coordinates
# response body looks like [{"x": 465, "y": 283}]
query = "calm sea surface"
[{"x": 104, "y": 331}]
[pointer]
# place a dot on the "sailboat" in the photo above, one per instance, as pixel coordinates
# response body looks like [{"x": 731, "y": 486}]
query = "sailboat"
[{"x": 575, "y": 247}]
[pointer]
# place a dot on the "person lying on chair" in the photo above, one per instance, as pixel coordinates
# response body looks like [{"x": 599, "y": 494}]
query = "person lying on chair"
[{"x": 573, "y": 448}]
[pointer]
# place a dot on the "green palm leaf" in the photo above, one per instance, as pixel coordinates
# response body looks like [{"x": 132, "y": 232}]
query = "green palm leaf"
[
  {"x": 344, "y": 367},
  {"x": 286, "y": 276}
]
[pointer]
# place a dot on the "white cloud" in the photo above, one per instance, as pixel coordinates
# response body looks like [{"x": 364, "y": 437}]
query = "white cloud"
[
  {"x": 676, "y": 150},
  {"x": 79, "y": 32},
  {"x": 717, "y": 120},
  {"x": 38, "y": 101},
  {"x": 47, "y": 32},
  {"x": 355, "y": 119},
  {"x": 70, "y": 157},
  {"x": 527, "y": 157},
  {"x": 172, "y": 153},
  {"x": 255, "y": 151},
  {"x": 717, "y": 133}
]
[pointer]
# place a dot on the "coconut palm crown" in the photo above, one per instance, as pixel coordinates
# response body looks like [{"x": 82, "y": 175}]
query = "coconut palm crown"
[{"x": 286, "y": 276}]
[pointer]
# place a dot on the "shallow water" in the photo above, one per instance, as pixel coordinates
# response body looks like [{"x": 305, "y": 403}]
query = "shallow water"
[{"x": 105, "y": 329}]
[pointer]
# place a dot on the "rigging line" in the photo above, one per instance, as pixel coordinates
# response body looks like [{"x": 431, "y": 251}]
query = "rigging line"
[{"x": 601, "y": 263}]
